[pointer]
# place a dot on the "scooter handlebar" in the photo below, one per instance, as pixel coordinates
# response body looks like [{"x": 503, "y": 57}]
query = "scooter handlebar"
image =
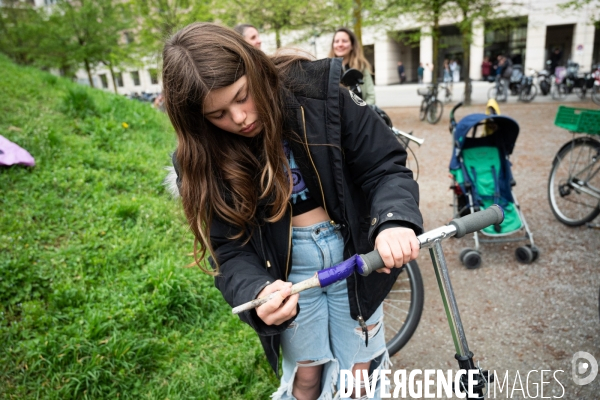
[
  {"x": 468, "y": 224},
  {"x": 477, "y": 221}
]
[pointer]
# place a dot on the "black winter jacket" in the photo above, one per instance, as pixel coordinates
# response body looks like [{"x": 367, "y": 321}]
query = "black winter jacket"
[{"x": 354, "y": 168}]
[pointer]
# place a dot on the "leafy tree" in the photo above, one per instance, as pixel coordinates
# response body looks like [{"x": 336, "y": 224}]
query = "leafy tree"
[
  {"x": 426, "y": 13},
  {"x": 159, "y": 19},
  {"x": 89, "y": 31},
  {"x": 594, "y": 11},
  {"x": 19, "y": 31},
  {"x": 279, "y": 15}
]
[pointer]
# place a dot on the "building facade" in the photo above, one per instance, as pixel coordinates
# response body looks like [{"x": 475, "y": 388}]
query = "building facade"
[{"x": 539, "y": 27}]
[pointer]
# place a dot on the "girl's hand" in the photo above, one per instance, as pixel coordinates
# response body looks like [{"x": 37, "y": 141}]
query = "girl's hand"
[
  {"x": 396, "y": 246},
  {"x": 280, "y": 308}
]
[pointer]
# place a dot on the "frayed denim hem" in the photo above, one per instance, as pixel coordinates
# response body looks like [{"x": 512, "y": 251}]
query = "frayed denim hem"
[
  {"x": 329, "y": 378},
  {"x": 384, "y": 364}
]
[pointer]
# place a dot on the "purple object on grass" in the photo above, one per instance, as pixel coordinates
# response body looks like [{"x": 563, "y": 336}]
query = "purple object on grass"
[{"x": 11, "y": 154}]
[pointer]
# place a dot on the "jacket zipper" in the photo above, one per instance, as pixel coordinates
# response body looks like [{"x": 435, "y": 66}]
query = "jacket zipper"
[
  {"x": 287, "y": 263},
  {"x": 311, "y": 160},
  {"x": 360, "y": 318},
  {"x": 262, "y": 247}
]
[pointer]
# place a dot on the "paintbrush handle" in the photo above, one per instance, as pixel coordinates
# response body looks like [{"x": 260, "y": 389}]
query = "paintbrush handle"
[{"x": 297, "y": 288}]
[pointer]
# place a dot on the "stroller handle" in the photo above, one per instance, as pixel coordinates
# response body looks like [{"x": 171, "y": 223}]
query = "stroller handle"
[
  {"x": 452, "y": 119},
  {"x": 458, "y": 227}
]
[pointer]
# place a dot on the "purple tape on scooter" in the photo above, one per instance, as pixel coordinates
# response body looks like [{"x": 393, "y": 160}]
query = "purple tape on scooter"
[{"x": 340, "y": 271}]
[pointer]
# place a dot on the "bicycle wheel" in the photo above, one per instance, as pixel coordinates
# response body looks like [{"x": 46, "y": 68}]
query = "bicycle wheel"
[
  {"x": 559, "y": 91},
  {"x": 528, "y": 93},
  {"x": 402, "y": 308},
  {"x": 422, "y": 110},
  {"x": 577, "y": 165},
  {"x": 580, "y": 92},
  {"x": 412, "y": 163},
  {"x": 434, "y": 111},
  {"x": 492, "y": 93},
  {"x": 596, "y": 94}
]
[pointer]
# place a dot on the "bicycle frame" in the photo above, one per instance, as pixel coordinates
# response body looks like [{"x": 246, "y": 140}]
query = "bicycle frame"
[{"x": 581, "y": 184}]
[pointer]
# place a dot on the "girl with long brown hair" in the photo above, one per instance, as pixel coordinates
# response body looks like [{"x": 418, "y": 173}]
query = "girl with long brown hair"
[{"x": 281, "y": 173}]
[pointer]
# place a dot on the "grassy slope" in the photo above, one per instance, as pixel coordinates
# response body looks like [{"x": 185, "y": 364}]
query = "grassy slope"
[{"x": 94, "y": 301}]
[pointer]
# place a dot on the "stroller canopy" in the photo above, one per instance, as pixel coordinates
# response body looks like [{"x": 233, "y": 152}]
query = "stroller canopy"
[{"x": 505, "y": 135}]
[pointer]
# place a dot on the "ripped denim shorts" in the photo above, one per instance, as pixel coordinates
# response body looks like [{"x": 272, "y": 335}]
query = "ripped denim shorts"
[{"x": 323, "y": 332}]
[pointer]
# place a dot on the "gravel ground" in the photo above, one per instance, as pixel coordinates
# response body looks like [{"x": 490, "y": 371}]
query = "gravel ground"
[{"x": 517, "y": 318}]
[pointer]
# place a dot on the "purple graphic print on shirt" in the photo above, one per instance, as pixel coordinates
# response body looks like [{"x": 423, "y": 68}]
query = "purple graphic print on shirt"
[{"x": 299, "y": 189}]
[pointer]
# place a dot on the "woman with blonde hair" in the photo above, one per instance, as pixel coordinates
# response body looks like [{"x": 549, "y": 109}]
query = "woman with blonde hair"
[
  {"x": 278, "y": 179},
  {"x": 345, "y": 45}
]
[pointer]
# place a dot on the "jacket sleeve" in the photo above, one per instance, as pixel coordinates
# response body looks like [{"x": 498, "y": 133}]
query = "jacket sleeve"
[
  {"x": 241, "y": 275},
  {"x": 376, "y": 161},
  {"x": 368, "y": 88}
]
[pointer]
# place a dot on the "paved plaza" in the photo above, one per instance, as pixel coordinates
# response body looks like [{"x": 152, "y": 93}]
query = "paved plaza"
[
  {"x": 517, "y": 317},
  {"x": 405, "y": 95}
]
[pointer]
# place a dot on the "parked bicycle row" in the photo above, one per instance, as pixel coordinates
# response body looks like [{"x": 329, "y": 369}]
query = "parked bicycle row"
[{"x": 563, "y": 82}]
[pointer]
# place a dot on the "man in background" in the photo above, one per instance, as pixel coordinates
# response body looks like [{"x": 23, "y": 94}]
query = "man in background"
[{"x": 401, "y": 73}]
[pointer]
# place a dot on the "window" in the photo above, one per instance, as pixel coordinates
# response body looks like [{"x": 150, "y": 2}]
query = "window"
[
  {"x": 135, "y": 76},
  {"x": 153, "y": 76},
  {"x": 104, "y": 81},
  {"x": 128, "y": 37},
  {"x": 119, "y": 79}
]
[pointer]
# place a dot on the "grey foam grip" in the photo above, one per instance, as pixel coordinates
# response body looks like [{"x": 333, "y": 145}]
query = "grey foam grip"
[
  {"x": 477, "y": 221},
  {"x": 372, "y": 262}
]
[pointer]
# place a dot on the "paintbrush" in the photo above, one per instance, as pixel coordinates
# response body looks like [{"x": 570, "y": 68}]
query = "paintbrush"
[{"x": 364, "y": 264}]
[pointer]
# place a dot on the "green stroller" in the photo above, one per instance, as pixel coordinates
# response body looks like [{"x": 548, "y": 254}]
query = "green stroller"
[{"x": 482, "y": 176}]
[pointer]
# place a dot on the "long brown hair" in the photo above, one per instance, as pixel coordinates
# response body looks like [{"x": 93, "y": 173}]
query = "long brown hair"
[
  {"x": 356, "y": 58},
  {"x": 221, "y": 175}
]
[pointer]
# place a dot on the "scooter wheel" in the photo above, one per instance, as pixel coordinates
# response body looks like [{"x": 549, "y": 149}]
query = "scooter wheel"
[{"x": 472, "y": 260}]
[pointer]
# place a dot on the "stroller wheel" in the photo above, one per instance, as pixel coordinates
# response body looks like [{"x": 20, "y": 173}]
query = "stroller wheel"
[
  {"x": 535, "y": 251},
  {"x": 525, "y": 254},
  {"x": 463, "y": 253},
  {"x": 471, "y": 259}
]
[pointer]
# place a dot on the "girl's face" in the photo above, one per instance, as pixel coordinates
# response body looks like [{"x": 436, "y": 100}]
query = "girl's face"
[
  {"x": 342, "y": 46},
  {"x": 232, "y": 109}
]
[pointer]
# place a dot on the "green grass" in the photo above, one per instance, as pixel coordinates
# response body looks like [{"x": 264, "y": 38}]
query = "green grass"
[{"x": 95, "y": 301}]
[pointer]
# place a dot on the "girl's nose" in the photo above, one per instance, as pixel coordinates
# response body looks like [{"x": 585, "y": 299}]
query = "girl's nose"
[{"x": 238, "y": 115}]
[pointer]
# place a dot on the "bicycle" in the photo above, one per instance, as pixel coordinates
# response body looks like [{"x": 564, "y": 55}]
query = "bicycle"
[
  {"x": 499, "y": 91},
  {"x": 574, "y": 182},
  {"x": 596, "y": 84},
  {"x": 446, "y": 88},
  {"x": 431, "y": 107}
]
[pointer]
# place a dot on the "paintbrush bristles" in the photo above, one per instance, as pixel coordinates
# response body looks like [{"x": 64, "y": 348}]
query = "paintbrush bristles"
[{"x": 297, "y": 288}]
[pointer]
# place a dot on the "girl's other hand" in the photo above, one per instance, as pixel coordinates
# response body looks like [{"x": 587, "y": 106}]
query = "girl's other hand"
[
  {"x": 396, "y": 246},
  {"x": 281, "y": 307}
]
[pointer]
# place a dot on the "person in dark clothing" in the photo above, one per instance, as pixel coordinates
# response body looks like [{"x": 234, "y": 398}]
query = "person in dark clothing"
[
  {"x": 401, "y": 72},
  {"x": 555, "y": 59},
  {"x": 486, "y": 68},
  {"x": 282, "y": 172}
]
